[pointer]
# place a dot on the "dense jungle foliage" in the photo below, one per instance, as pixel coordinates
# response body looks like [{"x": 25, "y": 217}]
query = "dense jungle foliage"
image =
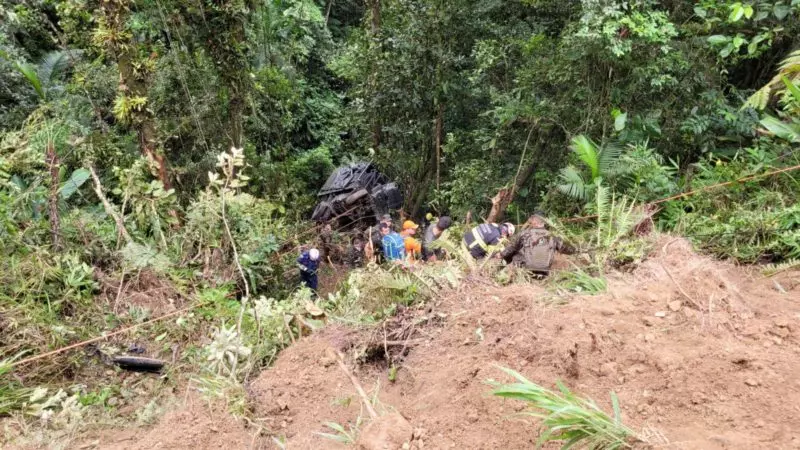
[{"x": 187, "y": 139}]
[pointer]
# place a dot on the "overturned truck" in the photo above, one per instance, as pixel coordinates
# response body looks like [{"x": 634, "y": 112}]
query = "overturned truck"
[{"x": 354, "y": 193}]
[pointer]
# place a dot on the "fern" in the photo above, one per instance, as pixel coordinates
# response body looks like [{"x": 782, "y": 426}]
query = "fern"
[
  {"x": 789, "y": 70},
  {"x": 774, "y": 269}
]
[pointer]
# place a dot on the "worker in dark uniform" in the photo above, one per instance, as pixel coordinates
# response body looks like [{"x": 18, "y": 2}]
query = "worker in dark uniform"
[
  {"x": 308, "y": 263},
  {"x": 355, "y": 253},
  {"x": 534, "y": 248},
  {"x": 479, "y": 239}
]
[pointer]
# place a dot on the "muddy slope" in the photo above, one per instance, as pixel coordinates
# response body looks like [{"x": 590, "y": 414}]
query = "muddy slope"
[{"x": 702, "y": 354}]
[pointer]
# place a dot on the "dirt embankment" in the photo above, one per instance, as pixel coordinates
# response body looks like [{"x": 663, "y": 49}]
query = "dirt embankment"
[{"x": 702, "y": 354}]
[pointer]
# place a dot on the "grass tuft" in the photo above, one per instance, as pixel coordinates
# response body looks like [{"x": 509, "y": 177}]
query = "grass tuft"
[{"x": 577, "y": 421}]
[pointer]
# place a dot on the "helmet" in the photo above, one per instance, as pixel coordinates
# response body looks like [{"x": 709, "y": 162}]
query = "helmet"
[
  {"x": 313, "y": 254},
  {"x": 410, "y": 225},
  {"x": 510, "y": 227}
]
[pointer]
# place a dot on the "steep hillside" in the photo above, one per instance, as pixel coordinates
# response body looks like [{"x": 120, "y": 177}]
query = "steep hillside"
[{"x": 702, "y": 354}]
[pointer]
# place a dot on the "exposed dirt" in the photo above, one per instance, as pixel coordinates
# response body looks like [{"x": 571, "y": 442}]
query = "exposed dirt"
[
  {"x": 194, "y": 424},
  {"x": 703, "y": 355}
]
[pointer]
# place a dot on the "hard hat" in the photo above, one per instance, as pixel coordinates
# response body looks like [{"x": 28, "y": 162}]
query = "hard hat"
[
  {"x": 410, "y": 225},
  {"x": 313, "y": 254},
  {"x": 510, "y": 227}
]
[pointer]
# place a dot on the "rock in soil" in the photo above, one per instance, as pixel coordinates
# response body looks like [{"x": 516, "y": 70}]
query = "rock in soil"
[{"x": 387, "y": 432}]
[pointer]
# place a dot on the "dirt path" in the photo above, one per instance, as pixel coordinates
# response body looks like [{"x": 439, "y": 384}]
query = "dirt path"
[{"x": 702, "y": 355}]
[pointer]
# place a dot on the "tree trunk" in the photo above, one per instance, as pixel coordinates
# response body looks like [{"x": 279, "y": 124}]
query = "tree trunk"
[
  {"x": 55, "y": 223},
  {"x": 439, "y": 131},
  {"x": 133, "y": 85},
  {"x": 421, "y": 189},
  {"x": 376, "y": 16},
  {"x": 377, "y": 127},
  {"x": 237, "y": 116},
  {"x": 506, "y": 195}
]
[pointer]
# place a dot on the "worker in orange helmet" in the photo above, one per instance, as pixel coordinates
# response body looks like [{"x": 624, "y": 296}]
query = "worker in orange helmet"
[{"x": 412, "y": 245}]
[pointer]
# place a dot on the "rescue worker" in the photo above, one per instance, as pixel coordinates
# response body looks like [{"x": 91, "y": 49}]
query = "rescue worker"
[
  {"x": 355, "y": 253},
  {"x": 308, "y": 263},
  {"x": 412, "y": 245},
  {"x": 376, "y": 238},
  {"x": 534, "y": 248},
  {"x": 484, "y": 235},
  {"x": 393, "y": 247},
  {"x": 432, "y": 233}
]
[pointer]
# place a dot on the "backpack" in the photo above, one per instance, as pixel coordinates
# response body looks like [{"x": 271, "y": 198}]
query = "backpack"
[{"x": 538, "y": 251}]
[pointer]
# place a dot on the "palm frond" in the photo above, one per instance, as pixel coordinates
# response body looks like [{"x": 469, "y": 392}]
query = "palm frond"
[
  {"x": 609, "y": 156},
  {"x": 29, "y": 72},
  {"x": 54, "y": 64},
  {"x": 572, "y": 183},
  {"x": 588, "y": 152},
  {"x": 791, "y": 63}
]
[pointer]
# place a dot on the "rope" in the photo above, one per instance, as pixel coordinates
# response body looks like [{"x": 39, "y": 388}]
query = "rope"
[
  {"x": 105, "y": 336},
  {"x": 151, "y": 321},
  {"x": 697, "y": 191}
]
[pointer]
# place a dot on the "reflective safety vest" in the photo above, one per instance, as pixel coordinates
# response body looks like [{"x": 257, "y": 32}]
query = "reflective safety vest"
[{"x": 481, "y": 237}]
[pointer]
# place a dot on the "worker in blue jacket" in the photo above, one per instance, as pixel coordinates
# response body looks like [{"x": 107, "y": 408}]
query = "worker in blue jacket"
[
  {"x": 308, "y": 262},
  {"x": 394, "y": 249}
]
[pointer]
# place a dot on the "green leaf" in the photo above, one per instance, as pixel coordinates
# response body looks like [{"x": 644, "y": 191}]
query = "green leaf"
[
  {"x": 781, "y": 11},
  {"x": 572, "y": 183},
  {"x": 700, "y": 12},
  {"x": 587, "y": 152},
  {"x": 619, "y": 122},
  {"x": 783, "y": 130},
  {"x": 161, "y": 337},
  {"x": 615, "y": 407},
  {"x": 75, "y": 181},
  {"x": 718, "y": 39},
  {"x": 33, "y": 78},
  {"x": 794, "y": 90},
  {"x": 737, "y": 11},
  {"x": 748, "y": 11}
]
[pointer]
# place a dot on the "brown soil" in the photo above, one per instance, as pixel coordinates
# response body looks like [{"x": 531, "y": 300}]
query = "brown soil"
[
  {"x": 194, "y": 424},
  {"x": 702, "y": 354},
  {"x": 718, "y": 370}
]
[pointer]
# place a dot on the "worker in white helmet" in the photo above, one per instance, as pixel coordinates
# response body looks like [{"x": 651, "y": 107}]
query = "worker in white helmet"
[
  {"x": 308, "y": 262},
  {"x": 479, "y": 239}
]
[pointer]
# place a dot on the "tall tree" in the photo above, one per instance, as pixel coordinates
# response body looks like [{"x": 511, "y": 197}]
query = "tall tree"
[{"x": 131, "y": 106}]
